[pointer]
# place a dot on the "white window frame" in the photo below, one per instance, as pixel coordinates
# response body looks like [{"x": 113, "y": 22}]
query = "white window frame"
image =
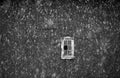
[{"x": 72, "y": 48}]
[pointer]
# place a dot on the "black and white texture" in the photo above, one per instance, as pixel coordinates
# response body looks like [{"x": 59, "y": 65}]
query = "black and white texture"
[{"x": 30, "y": 33}]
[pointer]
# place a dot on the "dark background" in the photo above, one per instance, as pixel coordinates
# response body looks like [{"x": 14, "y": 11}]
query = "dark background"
[{"x": 25, "y": 42}]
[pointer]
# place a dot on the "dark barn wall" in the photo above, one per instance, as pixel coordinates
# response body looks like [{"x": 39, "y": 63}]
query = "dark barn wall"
[{"x": 30, "y": 32}]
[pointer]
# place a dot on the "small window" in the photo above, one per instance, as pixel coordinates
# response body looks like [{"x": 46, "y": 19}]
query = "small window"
[{"x": 67, "y": 46}]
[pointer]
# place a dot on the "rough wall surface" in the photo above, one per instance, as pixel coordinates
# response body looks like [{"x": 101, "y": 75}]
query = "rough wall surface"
[{"x": 30, "y": 33}]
